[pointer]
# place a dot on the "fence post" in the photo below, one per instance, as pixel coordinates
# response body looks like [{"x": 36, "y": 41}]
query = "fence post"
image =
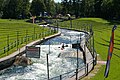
[
  {"x": 84, "y": 55},
  {"x": 77, "y": 55},
  {"x": 77, "y": 74},
  {"x": 34, "y": 32},
  {"x": 70, "y": 42},
  {"x": 80, "y": 39},
  {"x": 26, "y": 36},
  {"x": 39, "y": 35},
  {"x": 87, "y": 69},
  {"x": 47, "y": 67},
  {"x": 17, "y": 39},
  {"x": 36, "y": 35},
  {"x": 11, "y": 45},
  {"x": 21, "y": 40},
  {"x": 8, "y": 42},
  {"x": 15, "y": 44},
  {"x": 60, "y": 77},
  {"x": 4, "y": 50}
]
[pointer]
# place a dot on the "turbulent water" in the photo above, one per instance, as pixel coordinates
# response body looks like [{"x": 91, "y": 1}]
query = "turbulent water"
[{"x": 58, "y": 64}]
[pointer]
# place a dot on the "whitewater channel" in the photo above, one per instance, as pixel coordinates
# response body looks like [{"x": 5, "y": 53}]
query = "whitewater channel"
[{"x": 61, "y": 61}]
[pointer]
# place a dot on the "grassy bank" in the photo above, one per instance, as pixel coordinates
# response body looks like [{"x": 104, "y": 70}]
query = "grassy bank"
[
  {"x": 102, "y": 32},
  {"x": 17, "y": 33}
]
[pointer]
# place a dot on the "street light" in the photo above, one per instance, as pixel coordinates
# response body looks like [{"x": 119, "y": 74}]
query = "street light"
[{"x": 69, "y": 18}]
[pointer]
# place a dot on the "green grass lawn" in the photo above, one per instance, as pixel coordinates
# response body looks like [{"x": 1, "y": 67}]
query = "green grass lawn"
[
  {"x": 19, "y": 31},
  {"x": 102, "y": 32}
]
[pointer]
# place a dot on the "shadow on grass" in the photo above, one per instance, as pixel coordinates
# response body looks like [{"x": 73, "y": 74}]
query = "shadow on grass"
[
  {"x": 107, "y": 45},
  {"x": 116, "y": 55},
  {"x": 118, "y": 36},
  {"x": 113, "y": 22},
  {"x": 109, "y": 41}
]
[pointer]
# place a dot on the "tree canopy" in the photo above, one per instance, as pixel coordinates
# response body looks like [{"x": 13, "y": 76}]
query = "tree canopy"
[
  {"x": 16, "y": 9},
  {"x": 108, "y": 9}
]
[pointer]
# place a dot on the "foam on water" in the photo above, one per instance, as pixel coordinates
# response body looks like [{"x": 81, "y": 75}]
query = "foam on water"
[{"x": 57, "y": 65}]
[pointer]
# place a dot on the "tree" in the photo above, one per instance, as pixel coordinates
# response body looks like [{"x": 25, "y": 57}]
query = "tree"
[
  {"x": 58, "y": 8},
  {"x": 25, "y": 8},
  {"x": 64, "y": 9},
  {"x": 37, "y": 6},
  {"x": 97, "y": 7},
  {"x": 9, "y": 10},
  {"x": 116, "y": 6},
  {"x": 107, "y": 10},
  {"x": 1, "y": 7},
  {"x": 14, "y": 8},
  {"x": 52, "y": 7}
]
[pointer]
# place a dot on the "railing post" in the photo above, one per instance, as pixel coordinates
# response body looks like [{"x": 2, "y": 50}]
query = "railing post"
[
  {"x": 77, "y": 74},
  {"x": 47, "y": 67},
  {"x": 93, "y": 52},
  {"x": 77, "y": 56},
  {"x": 21, "y": 40},
  {"x": 17, "y": 39},
  {"x": 84, "y": 54},
  {"x": 26, "y": 36},
  {"x": 34, "y": 32},
  {"x": 8, "y": 43},
  {"x": 86, "y": 69},
  {"x": 4, "y": 50},
  {"x": 60, "y": 77}
]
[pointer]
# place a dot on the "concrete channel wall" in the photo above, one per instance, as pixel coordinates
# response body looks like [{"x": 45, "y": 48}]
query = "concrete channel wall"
[{"x": 9, "y": 60}]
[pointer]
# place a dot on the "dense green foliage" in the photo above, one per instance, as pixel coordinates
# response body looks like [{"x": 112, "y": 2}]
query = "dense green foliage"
[
  {"x": 15, "y": 8},
  {"x": 108, "y": 9},
  {"x": 102, "y": 32},
  {"x": 21, "y": 9},
  {"x": 37, "y": 6}
]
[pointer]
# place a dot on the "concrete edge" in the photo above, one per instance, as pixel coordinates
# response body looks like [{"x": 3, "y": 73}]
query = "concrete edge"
[{"x": 9, "y": 60}]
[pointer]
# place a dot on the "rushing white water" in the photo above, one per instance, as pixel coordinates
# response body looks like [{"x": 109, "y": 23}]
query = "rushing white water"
[{"x": 58, "y": 64}]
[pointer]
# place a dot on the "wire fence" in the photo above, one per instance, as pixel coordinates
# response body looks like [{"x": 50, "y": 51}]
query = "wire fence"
[
  {"x": 84, "y": 70},
  {"x": 14, "y": 41}
]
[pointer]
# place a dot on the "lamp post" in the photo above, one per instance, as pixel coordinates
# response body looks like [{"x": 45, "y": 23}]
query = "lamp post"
[{"x": 69, "y": 18}]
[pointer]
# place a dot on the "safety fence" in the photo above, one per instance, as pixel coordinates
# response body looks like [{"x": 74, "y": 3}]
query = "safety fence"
[
  {"x": 82, "y": 71},
  {"x": 77, "y": 73},
  {"x": 15, "y": 41}
]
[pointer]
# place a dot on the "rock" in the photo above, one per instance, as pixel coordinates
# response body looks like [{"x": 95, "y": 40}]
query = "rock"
[{"x": 22, "y": 61}]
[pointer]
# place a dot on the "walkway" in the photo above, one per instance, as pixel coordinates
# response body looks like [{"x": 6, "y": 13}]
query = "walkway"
[{"x": 89, "y": 60}]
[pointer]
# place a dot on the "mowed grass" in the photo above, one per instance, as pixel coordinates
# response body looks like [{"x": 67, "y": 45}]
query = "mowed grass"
[
  {"x": 102, "y": 32},
  {"x": 13, "y": 30}
]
